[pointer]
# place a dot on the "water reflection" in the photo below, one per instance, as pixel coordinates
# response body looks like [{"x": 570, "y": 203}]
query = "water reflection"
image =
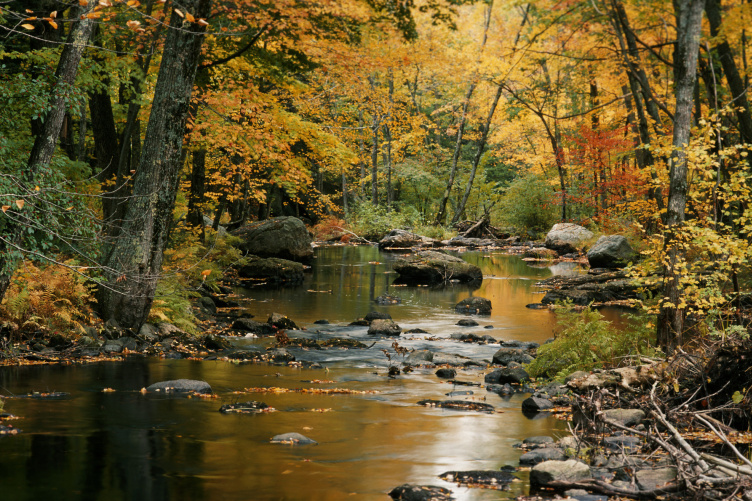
[
  {"x": 345, "y": 281},
  {"x": 128, "y": 446}
]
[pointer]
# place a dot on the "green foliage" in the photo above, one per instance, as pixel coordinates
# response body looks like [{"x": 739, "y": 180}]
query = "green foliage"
[
  {"x": 172, "y": 304},
  {"x": 529, "y": 203},
  {"x": 373, "y": 222},
  {"x": 587, "y": 341}
]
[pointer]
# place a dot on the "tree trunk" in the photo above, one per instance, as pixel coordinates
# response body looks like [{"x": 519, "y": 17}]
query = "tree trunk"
[
  {"x": 195, "y": 216},
  {"x": 441, "y": 213},
  {"x": 671, "y": 317},
  {"x": 46, "y": 140},
  {"x": 375, "y": 160},
  {"x": 478, "y": 155},
  {"x": 735, "y": 83},
  {"x": 135, "y": 261}
]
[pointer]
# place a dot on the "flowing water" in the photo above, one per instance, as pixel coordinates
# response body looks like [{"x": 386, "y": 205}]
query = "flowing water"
[{"x": 123, "y": 445}]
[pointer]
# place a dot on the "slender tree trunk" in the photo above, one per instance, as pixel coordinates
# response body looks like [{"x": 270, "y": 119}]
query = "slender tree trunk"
[
  {"x": 670, "y": 329},
  {"x": 441, "y": 213},
  {"x": 195, "y": 216},
  {"x": 136, "y": 258},
  {"x": 361, "y": 155},
  {"x": 46, "y": 141},
  {"x": 375, "y": 160},
  {"x": 735, "y": 83},
  {"x": 478, "y": 154}
]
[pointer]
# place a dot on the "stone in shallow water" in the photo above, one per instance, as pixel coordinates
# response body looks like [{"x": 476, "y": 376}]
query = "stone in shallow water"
[
  {"x": 458, "y": 405},
  {"x": 252, "y": 407},
  {"x": 292, "y": 439},
  {"x": 486, "y": 478},
  {"x": 409, "y": 492},
  {"x": 181, "y": 386}
]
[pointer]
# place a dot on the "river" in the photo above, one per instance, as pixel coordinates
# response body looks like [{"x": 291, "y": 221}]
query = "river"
[{"x": 124, "y": 445}]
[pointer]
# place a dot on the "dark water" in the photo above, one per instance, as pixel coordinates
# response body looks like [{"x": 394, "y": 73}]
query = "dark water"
[{"x": 124, "y": 445}]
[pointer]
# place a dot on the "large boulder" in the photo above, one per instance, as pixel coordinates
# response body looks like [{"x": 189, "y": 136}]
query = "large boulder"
[
  {"x": 273, "y": 270},
  {"x": 612, "y": 251},
  {"x": 403, "y": 239},
  {"x": 282, "y": 237},
  {"x": 434, "y": 267},
  {"x": 565, "y": 238}
]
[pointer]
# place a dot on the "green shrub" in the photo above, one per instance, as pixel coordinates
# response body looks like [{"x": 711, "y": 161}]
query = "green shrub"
[
  {"x": 529, "y": 203},
  {"x": 586, "y": 341},
  {"x": 373, "y": 222}
]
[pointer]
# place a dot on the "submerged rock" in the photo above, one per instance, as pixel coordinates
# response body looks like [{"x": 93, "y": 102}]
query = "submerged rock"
[
  {"x": 536, "y": 404},
  {"x": 292, "y": 439},
  {"x": 486, "y": 478},
  {"x": 386, "y": 300},
  {"x": 458, "y": 405},
  {"x": 252, "y": 407},
  {"x": 384, "y": 327},
  {"x": 181, "y": 386},
  {"x": 408, "y": 492}
]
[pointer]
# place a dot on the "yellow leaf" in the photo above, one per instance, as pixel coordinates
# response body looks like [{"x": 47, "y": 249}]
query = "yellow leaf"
[
  {"x": 53, "y": 14},
  {"x": 52, "y": 23},
  {"x": 179, "y": 13},
  {"x": 32, "y": 18},
  {"x": 27, "y": 26},
  {"x": 36, "y": 188},
  {"x": 20, "y": 203},
  {"x": 206, "y": 273},
  {"x": 190, "y": 17},
  {"x": 202, "y": 22},
  {"x": 83, "y": 3},
  {"x": 133, "y": 3},
  {"x": 134, "y": 25},
  {"x": 5, "y": 208}
]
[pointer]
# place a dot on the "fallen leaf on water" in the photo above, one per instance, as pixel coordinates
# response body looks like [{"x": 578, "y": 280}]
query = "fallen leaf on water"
[{"x": 107, "y": 390}]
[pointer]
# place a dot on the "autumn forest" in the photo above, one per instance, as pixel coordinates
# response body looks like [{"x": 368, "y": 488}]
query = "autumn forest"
[{"x": 131, "y": 132}]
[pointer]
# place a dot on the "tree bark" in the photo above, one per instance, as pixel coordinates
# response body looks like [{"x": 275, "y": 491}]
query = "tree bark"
[
  {"x": 670, "y": 328},
  {"x": 46, "y": 141},
  {"x": 195, "y": 216},
  {"x": 134, "y": 264}
]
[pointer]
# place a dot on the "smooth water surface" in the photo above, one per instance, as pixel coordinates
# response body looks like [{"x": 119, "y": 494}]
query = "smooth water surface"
[{"x": 125, "y": 445}]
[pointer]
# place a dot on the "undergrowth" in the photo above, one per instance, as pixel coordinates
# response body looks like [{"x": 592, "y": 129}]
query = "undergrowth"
[
  {"x": 48, "y": 299},
  {"x": 188, "y": 265},
  {"x": 585, "y": 341}
]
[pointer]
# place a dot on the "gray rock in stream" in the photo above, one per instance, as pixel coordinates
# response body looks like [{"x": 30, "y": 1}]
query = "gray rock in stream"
[
  {"x": 546, "y": 472},
  {"x": 540, "y": 455},
  {"x": 181, "y": 386},
  {"x": 384, "y": 327},
  {"x": 506, "y": 355},
  {"x": 612, "y": 251},
  {"x": 292, "y": 439},
  {"x": 408, "y": 492}
]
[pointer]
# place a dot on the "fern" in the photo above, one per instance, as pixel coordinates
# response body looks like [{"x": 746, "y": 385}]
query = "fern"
[
  {"x": 47, "y": 298},
  {"x": 587, "y": 341}
]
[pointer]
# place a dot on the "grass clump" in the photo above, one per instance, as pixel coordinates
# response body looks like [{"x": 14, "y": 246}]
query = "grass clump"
[{"x": 585, "y": 341}]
